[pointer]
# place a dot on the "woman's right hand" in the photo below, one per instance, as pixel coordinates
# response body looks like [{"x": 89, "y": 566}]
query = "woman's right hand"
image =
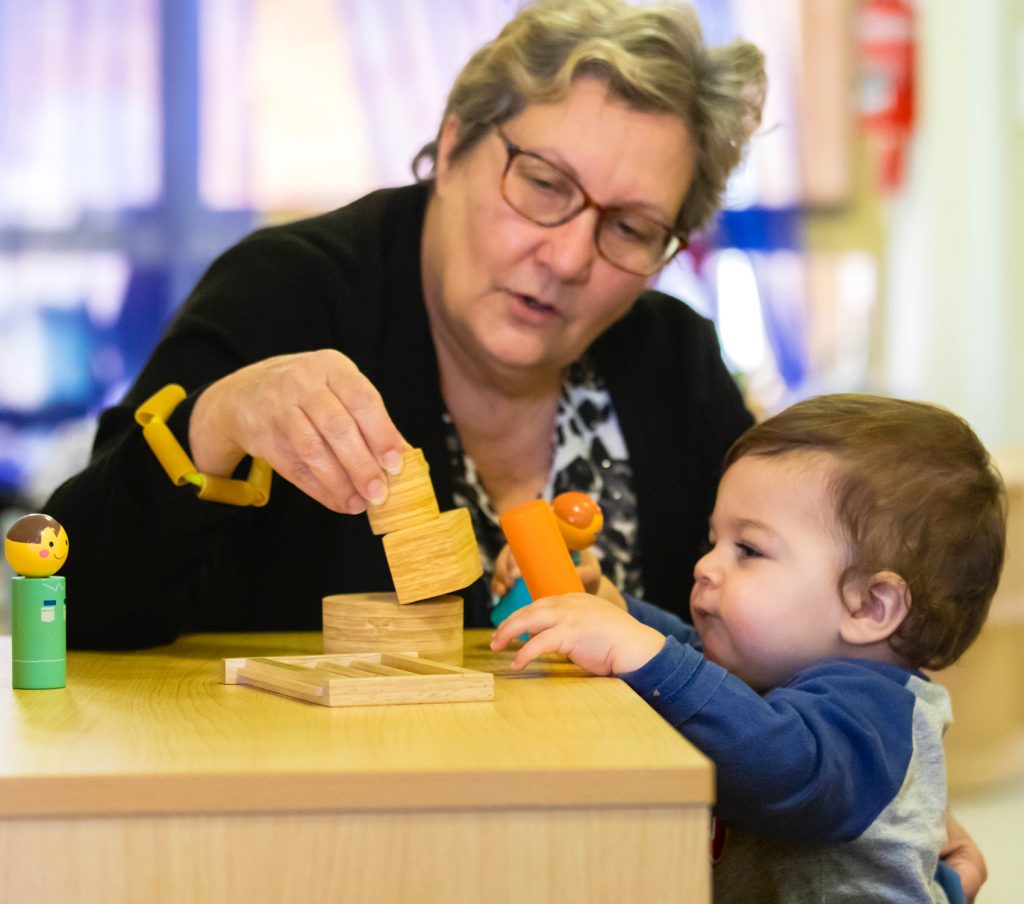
[
  {"x": 313, "y": 416},
  {"x": 506, "y": 572}
]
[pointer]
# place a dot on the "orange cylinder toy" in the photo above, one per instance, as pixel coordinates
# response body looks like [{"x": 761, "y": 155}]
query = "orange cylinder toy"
[{"x": 539, "y": 549}]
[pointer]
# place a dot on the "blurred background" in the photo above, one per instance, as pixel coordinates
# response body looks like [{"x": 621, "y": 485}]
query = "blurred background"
[
  {"x": 868, "y": 242},
  {"x": 871, "y": 242}
]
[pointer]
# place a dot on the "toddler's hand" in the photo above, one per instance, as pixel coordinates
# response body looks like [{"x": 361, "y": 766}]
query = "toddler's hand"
[{"x": 594, "y": 633}]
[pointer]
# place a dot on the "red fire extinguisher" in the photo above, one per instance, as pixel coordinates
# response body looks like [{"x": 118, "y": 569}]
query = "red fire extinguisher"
[{"x": 886, "y": 52}]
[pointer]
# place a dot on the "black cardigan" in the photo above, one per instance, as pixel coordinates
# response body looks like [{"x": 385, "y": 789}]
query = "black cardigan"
[{"x": 149, "y": 560}]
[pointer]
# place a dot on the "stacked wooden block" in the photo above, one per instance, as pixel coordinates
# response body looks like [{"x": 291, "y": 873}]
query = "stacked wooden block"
[
  {"x": 401, "y": 647},
  {"x": 430, "y": 553}
]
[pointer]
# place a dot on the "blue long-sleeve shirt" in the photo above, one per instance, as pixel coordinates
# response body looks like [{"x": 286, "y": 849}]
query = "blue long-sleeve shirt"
[{"x": 832, "y": 785}]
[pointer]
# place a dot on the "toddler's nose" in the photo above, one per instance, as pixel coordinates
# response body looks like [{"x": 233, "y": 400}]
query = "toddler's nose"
[{"x": 703, "y": 571}]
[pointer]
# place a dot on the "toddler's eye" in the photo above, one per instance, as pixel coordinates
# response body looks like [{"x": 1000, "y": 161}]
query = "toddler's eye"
[{"x": 746, "y": 551}]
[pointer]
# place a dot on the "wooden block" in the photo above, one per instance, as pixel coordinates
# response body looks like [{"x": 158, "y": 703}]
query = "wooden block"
[
  {"x": 366, "y": 622},
  {"x": 433, "y": 558},
  {"x": 411, "y": 498},
  {"x": 365, "y": 679}
]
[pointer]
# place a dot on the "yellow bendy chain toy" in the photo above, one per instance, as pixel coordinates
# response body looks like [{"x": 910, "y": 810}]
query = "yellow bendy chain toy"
[{"x": 153, "y": 414}]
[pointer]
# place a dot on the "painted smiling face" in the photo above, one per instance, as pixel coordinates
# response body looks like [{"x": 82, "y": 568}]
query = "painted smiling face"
[{"x": 36, "y": 546}]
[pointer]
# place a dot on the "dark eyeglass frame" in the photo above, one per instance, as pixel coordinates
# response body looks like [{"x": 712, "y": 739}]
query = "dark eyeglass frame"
[{"x": 514, "y": 150}]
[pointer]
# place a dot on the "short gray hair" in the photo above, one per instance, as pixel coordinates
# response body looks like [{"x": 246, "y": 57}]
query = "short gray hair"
[{"x": 652, "y": 56}]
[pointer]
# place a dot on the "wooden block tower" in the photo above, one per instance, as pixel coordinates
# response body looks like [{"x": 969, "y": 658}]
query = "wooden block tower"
[{"x": 430, "y": 553}]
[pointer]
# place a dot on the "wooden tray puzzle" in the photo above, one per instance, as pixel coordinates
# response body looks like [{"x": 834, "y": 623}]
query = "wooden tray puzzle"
[{"x": 361, "y": 679}]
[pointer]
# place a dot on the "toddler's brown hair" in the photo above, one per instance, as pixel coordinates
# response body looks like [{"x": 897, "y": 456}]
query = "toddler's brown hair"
[{"x": 916, "y": 493}]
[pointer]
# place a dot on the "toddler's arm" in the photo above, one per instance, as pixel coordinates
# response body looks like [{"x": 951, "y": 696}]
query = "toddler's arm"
[{"x": 812, "y": 762}]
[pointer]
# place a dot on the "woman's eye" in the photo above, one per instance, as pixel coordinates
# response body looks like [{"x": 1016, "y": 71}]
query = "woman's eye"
[
  {"x": 544, "y": 179},
  {"x": 633, "y": 230},
  {"x": 543, "y": 185}
]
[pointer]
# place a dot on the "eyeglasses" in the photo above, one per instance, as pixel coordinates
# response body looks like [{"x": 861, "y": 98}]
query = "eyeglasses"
[{"x": 548, "y": 196}]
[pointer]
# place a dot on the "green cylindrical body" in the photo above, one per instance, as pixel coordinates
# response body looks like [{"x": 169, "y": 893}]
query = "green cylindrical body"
[{"x": 38, "y": 635}]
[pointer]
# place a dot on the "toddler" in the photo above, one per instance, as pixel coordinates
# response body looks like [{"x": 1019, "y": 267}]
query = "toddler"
[{"x": 855, "y": 540}]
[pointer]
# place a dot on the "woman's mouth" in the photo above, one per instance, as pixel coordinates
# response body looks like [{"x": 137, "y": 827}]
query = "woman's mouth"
[
  {"x": 532, "y": 307},
  {"x": 535, "y": 304}
]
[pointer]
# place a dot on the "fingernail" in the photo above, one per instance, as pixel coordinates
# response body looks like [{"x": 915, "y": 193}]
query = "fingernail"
[
  {"x": 376, "y": 492},
  {"x": 357, "y": 505},
  {"x": 392, "y": 462}
]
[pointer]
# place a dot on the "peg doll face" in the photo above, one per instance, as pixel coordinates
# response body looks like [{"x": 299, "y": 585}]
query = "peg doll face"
[{"x": 36, "y": 546}]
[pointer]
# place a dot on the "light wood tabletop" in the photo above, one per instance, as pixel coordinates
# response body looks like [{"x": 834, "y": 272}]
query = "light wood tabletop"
[{"x": 228, "y": 779}]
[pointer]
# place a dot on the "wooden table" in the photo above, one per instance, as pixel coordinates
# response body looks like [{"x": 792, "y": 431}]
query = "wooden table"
[{"x": 146, "y": 779}]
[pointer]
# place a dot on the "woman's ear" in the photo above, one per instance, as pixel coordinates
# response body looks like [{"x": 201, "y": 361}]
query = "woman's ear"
[
  {"x": 875, "y": 609},
  {"x": 446, "y": 141}
]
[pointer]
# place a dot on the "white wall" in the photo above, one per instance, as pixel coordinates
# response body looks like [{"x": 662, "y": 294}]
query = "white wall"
[{"x": 955, "y": 281}]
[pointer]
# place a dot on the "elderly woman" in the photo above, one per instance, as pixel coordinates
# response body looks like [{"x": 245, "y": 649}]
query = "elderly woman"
[{"x": 495, "y": 315}]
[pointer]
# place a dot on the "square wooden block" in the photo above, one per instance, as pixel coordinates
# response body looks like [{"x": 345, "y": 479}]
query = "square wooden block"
[
  {"x": 411, "y": 499},
  {"x": 433, "y": 558}
]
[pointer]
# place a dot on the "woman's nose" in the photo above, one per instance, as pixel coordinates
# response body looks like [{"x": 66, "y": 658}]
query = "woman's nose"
[{"x": 568, "y": 250}]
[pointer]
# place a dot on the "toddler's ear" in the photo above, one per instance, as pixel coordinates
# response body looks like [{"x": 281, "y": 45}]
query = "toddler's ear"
[{"x": 875, "y": 609}]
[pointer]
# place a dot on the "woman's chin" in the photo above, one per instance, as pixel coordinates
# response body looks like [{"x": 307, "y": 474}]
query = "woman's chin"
[{"x": 522, "y": 353}]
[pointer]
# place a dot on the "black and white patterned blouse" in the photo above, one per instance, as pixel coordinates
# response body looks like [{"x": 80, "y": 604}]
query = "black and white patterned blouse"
[{"x": 590, "y": 456}]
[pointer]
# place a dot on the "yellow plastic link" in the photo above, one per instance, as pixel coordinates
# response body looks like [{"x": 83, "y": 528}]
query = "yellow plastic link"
[
  {"x": 254, "y": 490},
  {"x": 153, "y": 414}
]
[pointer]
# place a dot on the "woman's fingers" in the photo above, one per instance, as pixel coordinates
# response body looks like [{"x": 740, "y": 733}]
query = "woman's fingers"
[
  {"x": 316, "y": 419},
  {"x": 341, "y": 451},
  {"x": 963, "y": 854},
  {"x": 499, "y": 581},
  {"x": 363, "y": 400},
  {"x": 301, "y": 456},
  {"x": 506, "y": 572}
]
